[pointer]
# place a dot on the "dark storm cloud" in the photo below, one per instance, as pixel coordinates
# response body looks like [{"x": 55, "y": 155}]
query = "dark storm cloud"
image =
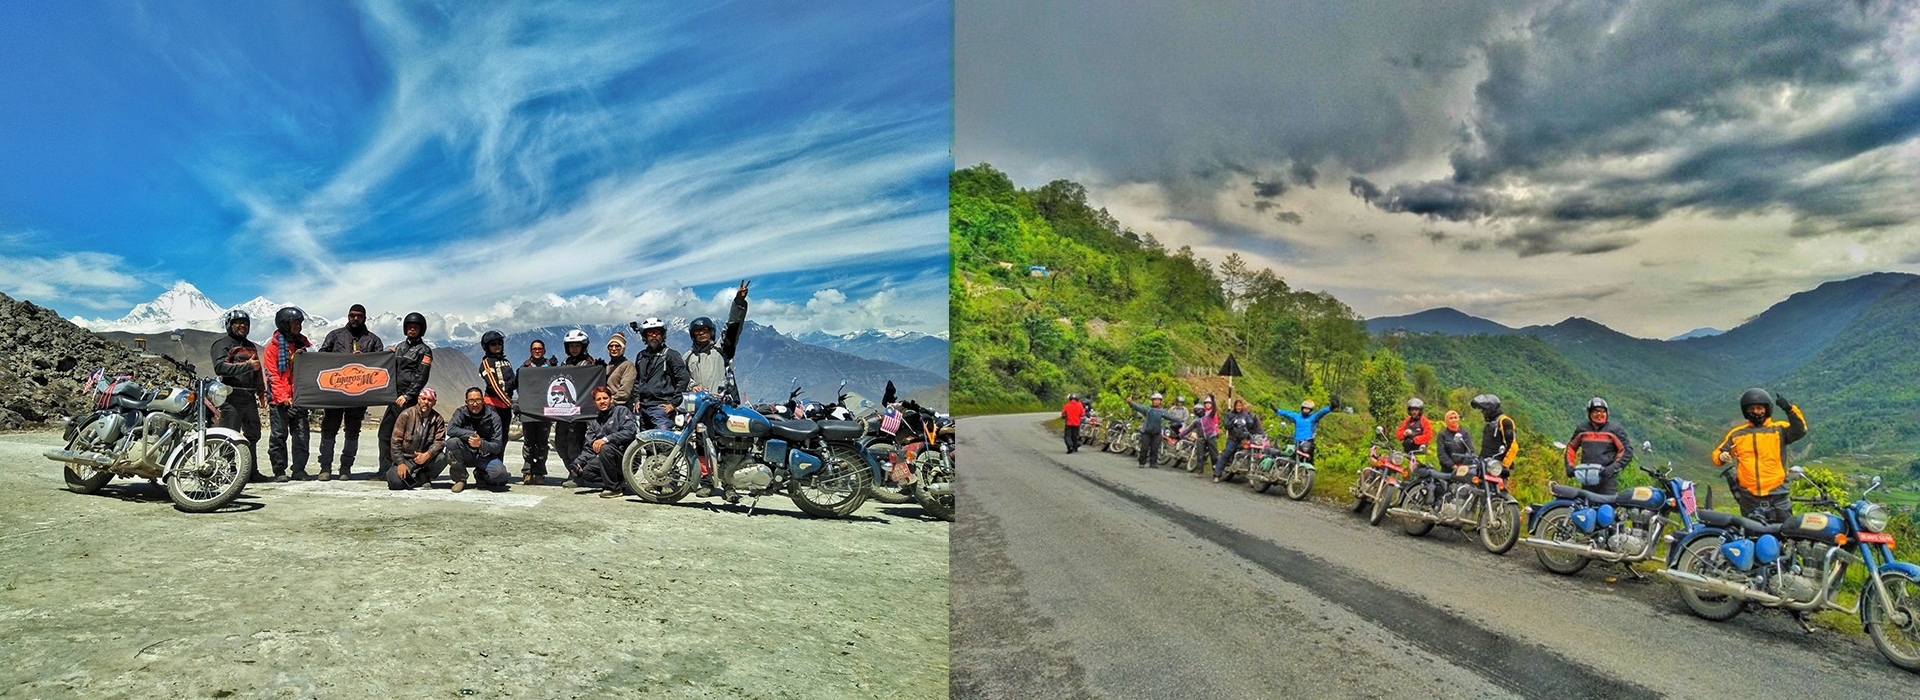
[
  {"x": 1698, "y": 82},
  {"x": 1290, "y": 217},
  {"x": 1269, "y": 190},
  {"x": 1303, "y": 173}
]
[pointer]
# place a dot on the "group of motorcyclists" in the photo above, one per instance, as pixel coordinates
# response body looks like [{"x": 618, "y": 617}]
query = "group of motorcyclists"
[
  {"x": 417, "y": 443},
  {"x": 1753, "y": 452}
]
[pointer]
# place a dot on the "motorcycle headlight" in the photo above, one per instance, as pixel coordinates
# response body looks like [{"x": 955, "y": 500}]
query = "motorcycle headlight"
[
  {"x": 220, "y": 393},
  {"x": 1494, "y": 469},
  {"x": 1874, "y": 518},
  {"x": 1397, "y": 459}
]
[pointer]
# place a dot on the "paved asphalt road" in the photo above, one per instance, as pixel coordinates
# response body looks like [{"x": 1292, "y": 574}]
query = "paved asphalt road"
[{"x": 1084, "y": 576}]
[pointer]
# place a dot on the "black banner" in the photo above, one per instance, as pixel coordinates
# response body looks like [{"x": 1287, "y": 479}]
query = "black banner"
[
  {"x": 561, "y": 394},
  {"x": 345, "y": 380}
]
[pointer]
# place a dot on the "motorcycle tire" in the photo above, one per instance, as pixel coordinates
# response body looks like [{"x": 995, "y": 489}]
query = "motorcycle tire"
[
  {"x": 1418, "y": 528},
  {"x": 1299, "y": 483},
  {"x": 84, "y": 480},
  {"x": 1258, "y": 485},
  {"x": 891, "y": 493},
  {"x": 1693, "y": 560},
  {"x": 1381, "y": 504},
  {"x": 663, "y": 483},
  {"x": 1499, "y": 526},
  {"x": 214, "y": 486},
  {"x": 845, "y": 480},
  {"x": 1360, "y": 503},
  {"x": 1551, "y": 525},
  {"x": 1874, "y": 616},
  {"x": 1165, "y": 458}
]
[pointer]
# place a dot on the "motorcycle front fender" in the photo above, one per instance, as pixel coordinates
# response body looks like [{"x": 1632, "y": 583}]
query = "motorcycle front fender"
[
  {"x": 1902, "y": 567},
  {"x": 661, "y": 434},
  {"x": 227, "y": 433},
  {"x": 1533, "y": 524},
  {"x": 1680, "y": 544}
]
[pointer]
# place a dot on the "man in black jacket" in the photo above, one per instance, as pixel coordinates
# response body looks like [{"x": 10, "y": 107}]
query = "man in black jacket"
[
  {"x": 660, "y": 376},
  {"x": 236, "y": 360},
  {"x": 415, "y": 365},
  {"x": 607, "y": 438},
  {"x": 1240, "y": 426},
  {"x": 353, "y": 338},
  {"x": 533, "y": 433},
  {"x": 1599, "y": 441},
  {"x": 476, "y": 438}
]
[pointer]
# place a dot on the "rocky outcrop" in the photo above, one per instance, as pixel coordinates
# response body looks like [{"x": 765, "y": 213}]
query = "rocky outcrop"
[{"x": 45, "y": 360}]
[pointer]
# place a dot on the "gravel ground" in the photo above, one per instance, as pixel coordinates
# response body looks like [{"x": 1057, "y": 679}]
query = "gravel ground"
[{"x": 345, "y": 590}]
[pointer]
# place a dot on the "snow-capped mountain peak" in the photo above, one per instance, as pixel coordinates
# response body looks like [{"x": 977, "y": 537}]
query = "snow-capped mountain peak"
[{"x": 184, "y": 306}]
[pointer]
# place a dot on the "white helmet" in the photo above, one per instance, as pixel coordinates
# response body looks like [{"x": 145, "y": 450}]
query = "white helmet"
[
  {"x": 1156, "y": 396},
  {"x": 652, "y": 323},
  {"x": 575, "y": 336}
]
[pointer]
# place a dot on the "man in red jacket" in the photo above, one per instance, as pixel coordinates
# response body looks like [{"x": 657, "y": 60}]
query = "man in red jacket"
[
  {"x": 1415, "y": 430},
  {"x": 1074, "y": 412},
  {"x": 288, "y": 420}
]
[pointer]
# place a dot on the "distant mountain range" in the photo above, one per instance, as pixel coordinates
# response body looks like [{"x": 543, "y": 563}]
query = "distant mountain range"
[
  {"x": 766, "y": 365},
  {"x": 184, "y": 306},
  {"x": 1701, "y": 332},
  {"x": 1843, "y": 350},
  {"x": 916, "y": 350}
]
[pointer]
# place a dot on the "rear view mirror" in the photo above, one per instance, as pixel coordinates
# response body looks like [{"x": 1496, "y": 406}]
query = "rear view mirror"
[
  {"x": 1796, "y": 473},
  {"x": 1560, "y": 445},
  {"x": 1646, "y": 445}
]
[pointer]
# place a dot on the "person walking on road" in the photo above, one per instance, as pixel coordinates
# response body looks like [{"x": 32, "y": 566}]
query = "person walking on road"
[
  {"x": 1598, "y": 442},
  {"x": 533, "y": 433},
  {"x": 1240, "y": 425},
  {"x": 354, "y": 338},
  {"x": 1073, "y": 412},
  {"x": 415, "y": 366},
  {"x": 236, "y": 360},
  {"x": 476, "y": 438},
  {"x": 1153, "y": 420},
  {"x": 419, "y": 436},
  {"x": 1755, "y": 453},
  {"x": 289, "y": 423}
]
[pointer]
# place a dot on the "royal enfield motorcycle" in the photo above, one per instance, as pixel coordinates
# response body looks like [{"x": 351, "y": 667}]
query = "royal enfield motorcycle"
[
  {"x": 1798, "y": 565},
  {"x": 1121, "y": 437},
  {"x": 1283, "y": 465},
  {"x": 751, "y": 456},
  {"x": 1377, "y": 487},
  {"x": 167, "y": 434},
  {"x": 1626, "y": 528},
  {"x": 1472, "y": 498},
  {"x": 915, "y": 448},
  {"x": 1190, "y": 450},
  {"x": 1251, "y": 451}
]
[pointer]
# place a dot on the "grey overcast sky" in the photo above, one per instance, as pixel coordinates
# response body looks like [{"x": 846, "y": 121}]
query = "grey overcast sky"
[{"x": 1657, "y": 165}]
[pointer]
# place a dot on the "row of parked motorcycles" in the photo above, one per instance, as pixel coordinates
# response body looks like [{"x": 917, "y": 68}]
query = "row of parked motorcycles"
[
  {"x": 829, "y": 458},
  {"x": 1722, "y": 564}
]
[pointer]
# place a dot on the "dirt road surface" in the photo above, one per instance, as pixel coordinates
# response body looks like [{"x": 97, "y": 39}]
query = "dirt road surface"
[
  {"x": 1083, "y": 576},
  {"x": 347, "y": 590}
]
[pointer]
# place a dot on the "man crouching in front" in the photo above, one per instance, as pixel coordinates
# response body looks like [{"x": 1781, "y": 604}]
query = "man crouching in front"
[{"x": 418, "y": 437}]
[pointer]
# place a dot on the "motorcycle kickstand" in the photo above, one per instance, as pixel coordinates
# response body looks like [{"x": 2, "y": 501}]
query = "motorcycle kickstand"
[
  {"x": 1635, "y": 573},
  {"x": 750, "y": 506},
  {"x": 1800, "y": 618}
]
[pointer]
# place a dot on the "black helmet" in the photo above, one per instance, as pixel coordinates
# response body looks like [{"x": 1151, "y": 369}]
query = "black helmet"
[
  {"x": 287, "y": 316},
  {"x": 1488, "y": 404},
  {"x": 699, "y": 324},
  {"x": 1757, "y": 397},
  {"x": 235, "y": 316},
  {"x": 1597, "y": 403},
  {"x": 415, "y": 319},
  {"x": 491, "y": 337}
]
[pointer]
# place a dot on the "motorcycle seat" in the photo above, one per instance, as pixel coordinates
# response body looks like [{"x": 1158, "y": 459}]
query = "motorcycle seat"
[
  {"x": 1718, "y": 519},
  {"x": 842, "y": 429},
  {"x": 794, "y": 430},
  {"x": 1565, "y": 491},
  {"x": 138, "y": 403}
]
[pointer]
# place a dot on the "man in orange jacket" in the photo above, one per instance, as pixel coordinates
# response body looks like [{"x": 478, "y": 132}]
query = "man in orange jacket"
[
  {"x": 1757, "y": 453},
  {"x": 1073, "y": 412}
]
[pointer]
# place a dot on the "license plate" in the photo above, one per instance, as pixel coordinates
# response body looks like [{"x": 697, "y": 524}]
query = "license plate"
[{"x": 1877, "y": 538}]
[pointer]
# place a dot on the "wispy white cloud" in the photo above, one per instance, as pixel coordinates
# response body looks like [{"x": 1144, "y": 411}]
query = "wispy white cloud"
[{"x": 92, "y": 280}]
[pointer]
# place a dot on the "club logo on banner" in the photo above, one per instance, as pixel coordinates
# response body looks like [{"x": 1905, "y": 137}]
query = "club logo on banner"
[
  {"x": 345, "y": 380},
  {"x": 562, "y": 394}
]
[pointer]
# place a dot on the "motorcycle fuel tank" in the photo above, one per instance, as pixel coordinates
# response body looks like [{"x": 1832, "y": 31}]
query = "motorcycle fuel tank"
[{"x": 740, "y": 422}]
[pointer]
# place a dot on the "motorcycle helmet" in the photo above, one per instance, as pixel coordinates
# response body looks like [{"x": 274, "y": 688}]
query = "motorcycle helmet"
[
  {"x": 575, "y": 336},
  {"x": 414, "y": 318},
  {"x": 286, "y": 317},
  {"x": 1306, "y": 406},
  {"x": 490, "y": 338},
  {"x": 1488, "y": 404},
  {"x": 1156, "y": 396},
  {"x": 1756, "y": 397},
  {"x": 1415, "y": 406},
  {"x": 702, "y": 323},
  {"x": 235, "y": 316}
]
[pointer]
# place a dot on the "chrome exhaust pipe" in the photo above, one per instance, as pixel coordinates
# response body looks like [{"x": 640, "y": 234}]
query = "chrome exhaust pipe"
[
  {"x": 1589, "y": 552},
  {"x": 1412, "y": 514},
  {"x": 91, "y": 459},
  {"x": 1734, "y": 590},
  {"x": 944, "y": 488}
]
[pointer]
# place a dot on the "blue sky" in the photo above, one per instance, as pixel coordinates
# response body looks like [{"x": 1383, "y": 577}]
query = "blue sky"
[{"x": 522, "y": 163}]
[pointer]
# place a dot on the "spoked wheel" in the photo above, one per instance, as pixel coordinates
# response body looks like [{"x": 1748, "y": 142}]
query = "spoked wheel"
[
  {"x": 1381, "y": 504},
  {"x": 205, "y": 485},
  {"x": 1360, "y": 499},
  {"x": 889, "y": 491},
  {"x": 837, "y": 489},
  {"x": 82, "y": 478},
  {"x": 1258, "y": 485},
  {"x": 655, "y": 473},
  {"x": 1557, "y": 525},
  {"x": 938, "y": 506},
  {"x": 1300, "y": 482},
  {"x": 1499, "y": 525},
  {"x": 1894, "y": 623},
  {"x": 1114, "y": 444},
  {"x": 1702, "y": 558},
  {"x": 1423, "y": 495}
]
